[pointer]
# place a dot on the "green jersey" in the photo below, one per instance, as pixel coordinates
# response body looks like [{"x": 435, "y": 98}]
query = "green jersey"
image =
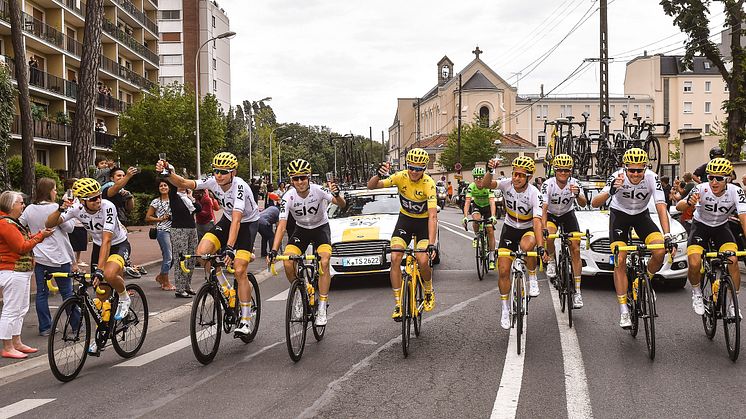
[{"x": 480, "y": 196}]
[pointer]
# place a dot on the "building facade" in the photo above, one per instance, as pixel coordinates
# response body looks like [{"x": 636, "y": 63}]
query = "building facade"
[
  {"x": 185, "y": 25},
  {"x": 53, "y": 32}
]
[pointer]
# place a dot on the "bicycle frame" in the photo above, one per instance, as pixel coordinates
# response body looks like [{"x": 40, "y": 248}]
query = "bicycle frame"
[
  {"x": 102, "y": 333},
  {"x": 216, "y": 262}
]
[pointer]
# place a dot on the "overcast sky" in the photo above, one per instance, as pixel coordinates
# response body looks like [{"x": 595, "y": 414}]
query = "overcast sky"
[{"x": 343, "y": 63}]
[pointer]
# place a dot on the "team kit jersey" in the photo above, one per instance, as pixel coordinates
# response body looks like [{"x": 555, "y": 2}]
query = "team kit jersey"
[
  {"x": 416, "y": 197},
  {"x": 633, "y": 199},
  {"x": 309, "y": 212},
  {"x": 479, "y": 196},
  {"x": 105, "y": 219},
  {"x": 559, "y": 200},
  {"x": 237, "y": 198},
  {"x": 714, "y": 210},
  {"x": 521, "y": 207}
]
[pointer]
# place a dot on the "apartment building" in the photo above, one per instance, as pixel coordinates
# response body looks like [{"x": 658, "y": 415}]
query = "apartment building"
[
  {"x": 53, "y": 31},
  {"x": 185, "y": 25}
]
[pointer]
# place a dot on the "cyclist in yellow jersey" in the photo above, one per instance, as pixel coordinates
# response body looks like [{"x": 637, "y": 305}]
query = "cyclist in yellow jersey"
[{"x": 418, "y": 217}]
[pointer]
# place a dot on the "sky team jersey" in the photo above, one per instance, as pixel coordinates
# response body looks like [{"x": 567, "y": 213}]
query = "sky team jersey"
[
  {"x": 308, "y": 212},
  {"x": 103, "y": 220},
  {"x": 415, "y": 197},
  {"x": 559, "y": 200},
  {"x": 633, "y": 199},
  {"x": 237, "y": 198},
  {"x": 480, "y": 196},
  {"x": 521, "y": 207},
  {"x": 714, "y": 210}
]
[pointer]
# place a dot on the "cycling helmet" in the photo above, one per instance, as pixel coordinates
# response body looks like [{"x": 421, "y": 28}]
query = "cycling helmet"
[
  {"x": 563, "y": 161},
  {"x": 635, "y": 156},
  {"x": 716, "y": 152},
  {"x": 299, "y": 167},
  {"x": 224, "y": 160},
  {"x": 477, "y": 172},
  {"x": 86, "y": 187},
  {"x": 720, "y": 166},
  {"x": 418, "y": 156},
  {"x": 526, "y": 163}
]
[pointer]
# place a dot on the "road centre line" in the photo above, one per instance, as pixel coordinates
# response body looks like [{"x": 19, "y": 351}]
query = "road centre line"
[
  {"x": 458, "y": 233},
  {"x": 509, "y": 390},
  {"x": 22, "y": 406}
]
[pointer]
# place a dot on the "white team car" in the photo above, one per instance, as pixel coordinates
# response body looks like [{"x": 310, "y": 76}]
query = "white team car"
[
  {"x": 362, "y": 230},
  {"x": 596, "y": 259}
]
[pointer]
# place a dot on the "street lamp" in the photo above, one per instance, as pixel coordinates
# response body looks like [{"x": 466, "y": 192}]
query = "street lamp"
[
  {"x": 196, "y": 91},
  {"x": 251, "y": 120},
  {"x": 279, "y": 159}
]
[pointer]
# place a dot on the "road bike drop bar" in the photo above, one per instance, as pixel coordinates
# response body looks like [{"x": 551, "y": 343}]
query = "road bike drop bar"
[{"x": 207, "y": 257}]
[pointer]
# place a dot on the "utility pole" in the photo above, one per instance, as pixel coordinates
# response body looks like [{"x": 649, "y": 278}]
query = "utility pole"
[
  {"x": 383, "y": 148},
  {"x": 417, "y": 137},
  {"x": 604, "y": 64},
  {"x": 458, "y": 115}
]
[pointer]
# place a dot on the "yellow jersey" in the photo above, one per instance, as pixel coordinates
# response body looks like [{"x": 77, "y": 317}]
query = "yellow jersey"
[{"x": 415, "y": 197}]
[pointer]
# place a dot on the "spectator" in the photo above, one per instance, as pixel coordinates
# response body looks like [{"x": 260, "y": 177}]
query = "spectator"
[
  {"x": 34, "y": 70},
  {"x": 205, "y": 218},
  {"x": 79, "y": 236},
  {"x": 103, "y": 168},
  {"x": 684, "y": 187},
  {"x": 183, "y": 236},
  {"x": 450, "y": 191},
  {"x": 159, "y": 212},
  {"x": 268, "y": 202},
  {"x": 16, "y": 262},
  {"x": 52, "y": 255},
  {"x": 263, "y": 191},
  {"x": 666, "y": 191},
  {"x": 254, "y": 186},
  {"x": 267, "y": 220},
  {"x": 280, "y": 189},
  {"x": 124, "y": 201}
]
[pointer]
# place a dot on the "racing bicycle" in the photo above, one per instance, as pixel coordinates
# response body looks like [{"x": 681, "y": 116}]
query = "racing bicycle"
[
  {"x": 565, "y": 282},
  {"x": 519, "y": 298},
  {"x": 482, "y": 251}
]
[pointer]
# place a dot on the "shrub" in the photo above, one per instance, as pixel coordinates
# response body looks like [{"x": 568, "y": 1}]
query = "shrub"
[
  {"x": 15, "y": 172},
  {"x": 142, "y": 202}
]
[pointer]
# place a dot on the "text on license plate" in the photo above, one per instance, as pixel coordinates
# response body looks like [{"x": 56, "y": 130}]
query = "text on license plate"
[{"x": 361, "y": 260}]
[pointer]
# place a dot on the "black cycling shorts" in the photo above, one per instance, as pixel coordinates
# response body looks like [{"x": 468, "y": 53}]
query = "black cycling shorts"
[
  {"x": 119, "y": 253},
  {"x": 620, "y": 224},
  {"x": 320, "y": 237},
  {"x": 510, "y": 237},
  {"x": 408, "y": 227},
  {"x": 567, "y": 221},
  {"x": 704, "y": 237},
  {"x": 485, "y": 212},
  {"x": 244, "y": 246}
]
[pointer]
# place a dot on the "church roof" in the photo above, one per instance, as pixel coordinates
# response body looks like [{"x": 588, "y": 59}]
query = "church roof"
[{"x": 479, "y": 82}]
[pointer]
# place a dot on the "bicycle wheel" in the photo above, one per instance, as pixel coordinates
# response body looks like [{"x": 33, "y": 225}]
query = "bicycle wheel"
[
  {"x": 206, "y": 324},
  {"x": 128, "y": 334},
  {"x": 480, "y": 254},
  {"x": 296, "y": 320},
  {"x": 633, "y": 305},
  {"x": 647, "y": 312},
  {"x": 518, "y": 301},
  {"x": 256, "y": 309},
  {"x": 318, "y": 331},
  {"x": 653, "y": 148},
  {"x": 710, "y": 316},
  {"x": 731, "y": 318},
  {"x": 406, "y": 314},
  {"x": 419, "y": 298},
  {"x": 68, "y": 342},
  {"x": 561, "y": 285},
  {"x": 569, "y": 287}
]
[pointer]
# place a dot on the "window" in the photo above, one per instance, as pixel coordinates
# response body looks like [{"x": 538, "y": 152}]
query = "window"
[
  {"x": 708, "y": 86},
  {"x": 171, "y": 59},
  {"x": 170, "y": 36},
  {"x": 588, "y": 109},
  {"x": 213, "y": 21},
  {"x": 687, "y": 107},
  {"x": 168, "y": 80},
  {"x": 42, "y": 157},
  {"x": 214, "y": 64},
  {"x": 687, "y": 126},
  {"x": 707, "y": 65},
  {"x": 484, "y": 116},
  {"x": 708, "y": 107},
  {"x": 708, "y": 128},
  {"x": 687, "y": 87},
  {"x": 169, "y": 14},
  {"x": 565, "y": 110},
  {"x": 612, "y": 111},
  {"x": 636, "y": 109},
  {"x": 214, "y": 85},
  {"x": 542, "y": 139},
  {"x": 542, "y": 111},
  {"x": 648, "y": 111}
]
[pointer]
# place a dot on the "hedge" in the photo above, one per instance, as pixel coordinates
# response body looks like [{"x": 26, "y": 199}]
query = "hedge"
[
  {"x": 15, "y": 171},
  {"x": 142, "y": 202}
]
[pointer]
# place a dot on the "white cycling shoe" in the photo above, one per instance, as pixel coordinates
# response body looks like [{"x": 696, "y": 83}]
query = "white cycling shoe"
[
  {"x": 551, "y": 269},
  {"x": 505, "y": 319},
  {"x": 533, "y": 288},
  {"x": 577, "y": 300},
  {"x": 697, "y": 304},
  {"x": 320, "y": 315},
  {"x": 244, "y": 328},
  {"x": 122, "y": 308},
  {"x": 625, "y": 321}
]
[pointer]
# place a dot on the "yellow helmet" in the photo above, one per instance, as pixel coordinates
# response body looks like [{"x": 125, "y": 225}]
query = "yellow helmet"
[
  {"x": 299, "y": 167},
  {"x": 418, "y": 156},
  {"x": 526, "y": 163},
  {"x": 720, "y": 166},
  {"x": 224, "y": 160},
  {"x": 86, "y": 187},
  {"x": 562, "y": 161},
  {"x": 635, "y": 156}
]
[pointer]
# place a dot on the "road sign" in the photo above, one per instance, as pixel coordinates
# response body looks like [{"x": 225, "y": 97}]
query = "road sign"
[{"x": 457, "y": 166}]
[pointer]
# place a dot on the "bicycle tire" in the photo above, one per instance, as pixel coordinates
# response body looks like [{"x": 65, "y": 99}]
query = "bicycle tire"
[
  {"x": 560, "y": 281},
  {"x": 296, "y": 320},
  {"x": 647, "y": 308},
  {"x": 206, "y": 323},
  {"x": 318, "y": 331},
  {"x": 419, "y": 298},
  {"x": 519, "y": 313},
  {"x": 65, "y": 338},
  {"x": 653, "y": 147},
  {"x": 128, "y": 334},
  {"x": 569, "y": 287},
  {"x": 479, "y": 253},
  {"x": 731, "y": 323},
  {"x": 256, "y": 307},
  {"x": 710, "y": 316},
  {"x": 406, "y": 315},
  {"x": 632, "y": 305}
]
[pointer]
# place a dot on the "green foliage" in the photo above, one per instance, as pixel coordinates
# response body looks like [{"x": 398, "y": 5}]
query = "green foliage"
[
  {"x": 477, "y": 144},
  {"x": 142, "y": 201},
  {"x": 675, "y": 154},
  {"x": 62, "y": 118},
  {"x": 15, "y": 173},
  {"x": 7, "y": 111},
  {"x": 38, "y": 113},
  {"x": 145, "y": 181},
  {"x": 164, "y": 122}
]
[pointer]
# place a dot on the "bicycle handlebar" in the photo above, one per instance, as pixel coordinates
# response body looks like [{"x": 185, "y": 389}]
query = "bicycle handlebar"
[
  {"x": 294, "y": 258},
  {"x": 727, "y": 253},
  {"x": 642, "y": 248},
  {"x": 573, "y": 235},
  {"x": 214, "y": 258},
  {"x": 81, "y": 277}
]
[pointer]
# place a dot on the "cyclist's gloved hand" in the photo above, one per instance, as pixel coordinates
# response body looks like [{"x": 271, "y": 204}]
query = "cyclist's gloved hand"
[
  {"x": 465, "y": 222},
  {"x": 540, "y": 250},
  {"x": 669, "y": 242},
  {"x": 230, "y": 252},
  {"x": 545, "y": 233},
  {"x": 493, "y": 220},
  {"x": 272, "y": 256},
  {"x": 97, "y": 276},
  {"x": 432, "y": 250}
]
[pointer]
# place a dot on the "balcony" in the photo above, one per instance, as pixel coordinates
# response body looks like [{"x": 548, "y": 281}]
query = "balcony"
[
  {"x": 129, "y": 41},
  {"x": 43, "y": 129},
  {"x": 111, "y": 103},
  {"x": 138, "y": 15},
  {"x": 104, "y": 140},
  {"x": 113, "y": 67},
  {"x": 70, "y": 4},
  {"x": 42, "y": 31}
]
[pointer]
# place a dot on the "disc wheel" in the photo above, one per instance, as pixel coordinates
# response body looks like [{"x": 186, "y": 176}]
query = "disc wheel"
[
  {"x": 128, "y": 334},
  {"x": 206, "y": 324},
  {"x": 68, "y": 342},
  {"x": 731, "y": 318},
  {"x": 647, "y": 307},
  {"x": 406, "y": 315},
  {"x": 480, "y": 257},
  {"x": 296, "y": 320},
  {"x": 256, "y": 310},
  {"x": 710, "y": 316}
]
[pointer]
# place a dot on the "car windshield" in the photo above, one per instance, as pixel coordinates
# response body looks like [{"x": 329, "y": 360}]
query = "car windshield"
[{"x": 367, "y": 204}]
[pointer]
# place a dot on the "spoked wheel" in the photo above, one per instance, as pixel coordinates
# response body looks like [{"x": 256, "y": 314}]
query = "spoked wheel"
[
  {"x": 561, "y": 285},
  {"x": 480, "y": 253},
  {"x": 518, "y": 313},
  {"x": 653, "y": 148},
  {"x": 569, "y": 289},
  {"x": 296, "y": 320},
  {"x": 419, "y": 297},
  {"x": 647, "y": 308},
  {"x": 731, "y": 318},
  {"x": 406, "y": 315},
  {"x": 318, "y": 331},
  {"x": 206, "y": 324},
  {"x": 68, "y": 342},
  {"x": 128, "y": 334},
  {"x": 256, "y": 310},
  {"x": 710, "y": 317}
]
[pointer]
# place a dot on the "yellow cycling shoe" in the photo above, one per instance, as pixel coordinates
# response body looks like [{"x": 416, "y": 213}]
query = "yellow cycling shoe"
[
  {"x": 429, "y": 300},
  {"x": 396, "y": 315}
]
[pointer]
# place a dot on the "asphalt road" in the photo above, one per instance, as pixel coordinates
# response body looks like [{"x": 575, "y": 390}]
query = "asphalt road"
[{"x": 463, "y": 365}]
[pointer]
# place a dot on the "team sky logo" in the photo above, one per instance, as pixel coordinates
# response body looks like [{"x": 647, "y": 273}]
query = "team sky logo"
[
  {"x": 306, "y": 210},
  {"x": 560, "y": 199},
  {"x": 630, "y": 192},
  {"x": 721, "y": 207},
  {"x": 412, "y": 206}
]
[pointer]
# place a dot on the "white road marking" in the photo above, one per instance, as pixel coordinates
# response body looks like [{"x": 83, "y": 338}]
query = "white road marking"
[
  {"x": 282, "y": 296},
  {"x": 23, "y": 406},
  {"x": 156, "y": 354},
  {"x": 457, "y": 232},
  {"x": 506, "y": 401},
  {"x": 576, "y": 383}
]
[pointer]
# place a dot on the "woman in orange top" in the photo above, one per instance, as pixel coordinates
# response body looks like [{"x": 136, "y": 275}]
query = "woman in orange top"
[{"x": 16, "y": 265}]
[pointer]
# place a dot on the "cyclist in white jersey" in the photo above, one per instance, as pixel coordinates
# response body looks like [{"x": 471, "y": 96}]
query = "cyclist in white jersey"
[
  {"x": 630, "y": 190},
  {"x": 715, "y": 201},
  {"x": 522, "y": 227},
  {"x": 307, "y": 203},
  {"x": 559, "y": 193},
  {"x": 235, "y": 231},
  {"x": 110, "y": 246}
]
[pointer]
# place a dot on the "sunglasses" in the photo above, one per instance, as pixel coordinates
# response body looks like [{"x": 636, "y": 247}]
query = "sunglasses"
[
  {"x": 716, "y": 178},
  {"x": 416, "y": 168},
  {"x": 562, "y": 170},
  {"x": 518, "y": 174},
  {"x": 635, "y": 170},
  {"x": 478, "y": 177},
  {"x": 93, "y": 198},
  {"x": 220, "y": 171},
  {"x": 299, "y": 178}
]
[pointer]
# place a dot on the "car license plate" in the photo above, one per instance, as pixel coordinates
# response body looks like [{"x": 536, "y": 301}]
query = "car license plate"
[{"x": 361, "y": 261}]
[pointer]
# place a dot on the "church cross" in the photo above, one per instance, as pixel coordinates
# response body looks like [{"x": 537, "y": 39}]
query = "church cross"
[{"x": 477, "y": 52}]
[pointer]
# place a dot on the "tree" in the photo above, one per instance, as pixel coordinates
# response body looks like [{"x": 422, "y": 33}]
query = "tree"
[
  {"x": 28, "y": 155},
  {"x": 81, "y": 143},
  {"x": 6, "y": 119},
  {"x": 163, "y": 122},
  {"x": 477, "y": 144},
  {"x": 693, "y": 18}
]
